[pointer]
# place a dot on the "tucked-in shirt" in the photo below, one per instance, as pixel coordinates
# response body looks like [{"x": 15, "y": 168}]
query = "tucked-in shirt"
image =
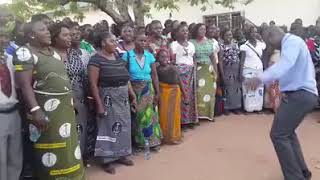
[
  {"x": 295, "y": 69},
  {"x": 138, "y": 73},
  {"x": 5, "y": 101},
  {"x": 184, "y": 55},
  {"x": 253, "y": 54}
]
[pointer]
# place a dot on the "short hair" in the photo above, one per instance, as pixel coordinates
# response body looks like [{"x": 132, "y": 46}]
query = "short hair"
[
  {"x": 181, "y": 26},
  {"x": 194, "y": 33},
  {"x": 224, "y": 32},
  {"x": 154, "y": 22},
  {"x": 184, "y": 23},
  {"x": 126, "y": 25},
  {"x": 139, "y": 33},
  {"x": 73, "y": 24},
  {"x": 55, "y": 30},
  {"x": 99, "y": 37},
  {"x": 83, "y": 27},
  {"x": 248, "y": 32},
  {"x": 160, "y": 51},
  {"x": 168, "y": 21},
  {"x": 16, "y": 28},
  {"x": 39, "y": 17}
]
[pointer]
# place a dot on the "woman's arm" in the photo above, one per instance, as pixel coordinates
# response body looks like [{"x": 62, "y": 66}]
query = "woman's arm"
[
  {"x": 93, "y": 73},
  {"x": 155, "y": 81},
  {"x": 220, "y": 66},
  {"x": 214, "y": 58},
  {"x": 242, "y": 59},
  {"x": 133, "y": 97},
  {"x": 24, "y": 81}
]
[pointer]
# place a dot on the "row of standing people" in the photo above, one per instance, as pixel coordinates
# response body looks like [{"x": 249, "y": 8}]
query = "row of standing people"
[{"x": 160, "y": 86}]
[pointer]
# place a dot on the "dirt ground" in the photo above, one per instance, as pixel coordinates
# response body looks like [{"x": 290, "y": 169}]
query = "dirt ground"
[{"x": 233, "y": 148}]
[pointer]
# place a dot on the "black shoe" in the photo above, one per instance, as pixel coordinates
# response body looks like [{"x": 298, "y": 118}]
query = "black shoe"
[{"x": 307, "y": 174}]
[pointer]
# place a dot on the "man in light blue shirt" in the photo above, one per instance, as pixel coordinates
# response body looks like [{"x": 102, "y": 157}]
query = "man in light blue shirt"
[{"x": 296, "y": 74}]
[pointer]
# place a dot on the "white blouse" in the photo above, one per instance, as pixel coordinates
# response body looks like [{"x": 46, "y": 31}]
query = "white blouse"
[{"x": 184, "y": 55}]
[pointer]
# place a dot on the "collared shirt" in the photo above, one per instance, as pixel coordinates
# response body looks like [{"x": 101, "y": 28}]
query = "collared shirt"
[
  {"x": 295, "y": 70},
  {"x": 8, "y": 102},
  {"x": 141, "y": 72}
]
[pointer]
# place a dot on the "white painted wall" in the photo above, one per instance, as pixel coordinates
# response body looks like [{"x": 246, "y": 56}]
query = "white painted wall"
[{"x": 282, "y": 11}]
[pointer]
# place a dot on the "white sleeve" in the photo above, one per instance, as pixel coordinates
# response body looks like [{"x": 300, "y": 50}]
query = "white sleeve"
[
  {"x": 192, "y": 49},
  {"x": 243, "y": 47},
  {"x": 173, "y": 47}
]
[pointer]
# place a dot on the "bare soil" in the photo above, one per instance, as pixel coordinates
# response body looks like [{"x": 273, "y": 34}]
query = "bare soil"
[{"x": 233, "y": 148}]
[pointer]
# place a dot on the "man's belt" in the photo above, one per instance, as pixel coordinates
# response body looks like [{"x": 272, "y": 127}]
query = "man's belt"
[{"x": 9, "y": 110}]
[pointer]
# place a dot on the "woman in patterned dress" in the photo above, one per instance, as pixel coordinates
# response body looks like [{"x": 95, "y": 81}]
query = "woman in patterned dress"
[
  {"x": 109, "y": 77},
  {"x": 182, "y": 52},
  {"x": 231, "y": 76},
  {"x": 126, "y": 43},
  {"x": 48, "y": 94},
  {"x": 206, "y": 72},
  {"x": 145, "y": 83},
  {"x": 156, "y": 40},
  {"x": 67, "y": 42}
]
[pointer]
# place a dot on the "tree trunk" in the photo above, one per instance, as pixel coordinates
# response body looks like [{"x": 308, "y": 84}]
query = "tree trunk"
[
  {"x": 122, "y": 15},
  {"x": 139, "y": 12}
]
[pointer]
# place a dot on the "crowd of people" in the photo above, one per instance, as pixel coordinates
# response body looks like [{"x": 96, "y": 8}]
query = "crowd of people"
[{"x": 85, "y": 94}]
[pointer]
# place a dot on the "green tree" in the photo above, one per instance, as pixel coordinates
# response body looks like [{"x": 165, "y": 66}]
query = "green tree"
[{"x": 118, "y": 10}]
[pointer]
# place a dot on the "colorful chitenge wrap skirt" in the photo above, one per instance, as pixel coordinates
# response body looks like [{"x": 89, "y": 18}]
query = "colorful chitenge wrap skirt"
[
  {"x": 146, "y": 124},
  {"x": 206, "y": 91},
  {"x": 169, "y": 111},
  {"x": 57, "y": 153},
  {"x": 188, "y": 110},
  {"x": 272, "y": 97}
]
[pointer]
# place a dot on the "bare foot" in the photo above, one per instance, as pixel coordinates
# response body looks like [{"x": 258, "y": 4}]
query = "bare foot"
[
  {"x": 108, "y": 168},
  {"x": 125, "y": 161}
]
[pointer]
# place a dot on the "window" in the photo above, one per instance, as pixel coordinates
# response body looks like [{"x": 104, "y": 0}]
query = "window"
[{"x": 231, "y": 20}]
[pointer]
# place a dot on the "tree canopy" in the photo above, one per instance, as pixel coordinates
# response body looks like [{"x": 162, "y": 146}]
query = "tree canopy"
[{"x": 118, "y": 10}]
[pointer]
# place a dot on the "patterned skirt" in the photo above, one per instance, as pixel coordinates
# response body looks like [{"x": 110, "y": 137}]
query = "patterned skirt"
[
  {"x": 252, "y": 100},
  {"x": 114, "y": 129},
  {"x": 188, "y": 111},
  {"x": 232, "y": 86},
  {"x": 206, "y": 91},
  {"x": 169, "y": 111},
  {"x": 57, "y": 153},
  {"x": 146, "y": 121},
  {"x": 272, "y": 96}
]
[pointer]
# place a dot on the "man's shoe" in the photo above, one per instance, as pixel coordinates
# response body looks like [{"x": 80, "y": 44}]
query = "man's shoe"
[{"x": 307, "y": 174}]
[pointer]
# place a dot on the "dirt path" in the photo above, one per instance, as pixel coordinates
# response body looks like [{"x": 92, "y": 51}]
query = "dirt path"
[{"x": 233, "y": 148}]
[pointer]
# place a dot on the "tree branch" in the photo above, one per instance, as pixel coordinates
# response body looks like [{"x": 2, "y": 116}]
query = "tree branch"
[
  {"x": 104, "y": 5},
  {"x": 123, "y": 8}
]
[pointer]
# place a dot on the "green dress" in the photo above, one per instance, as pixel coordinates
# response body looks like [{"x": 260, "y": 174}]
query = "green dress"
[
  {"x": 57, "y": 154},
  {"x": 206, "y": 79}
]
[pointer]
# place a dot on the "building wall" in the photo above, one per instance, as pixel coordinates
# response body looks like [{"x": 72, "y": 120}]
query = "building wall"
[{"x": 281, "y": 11}]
